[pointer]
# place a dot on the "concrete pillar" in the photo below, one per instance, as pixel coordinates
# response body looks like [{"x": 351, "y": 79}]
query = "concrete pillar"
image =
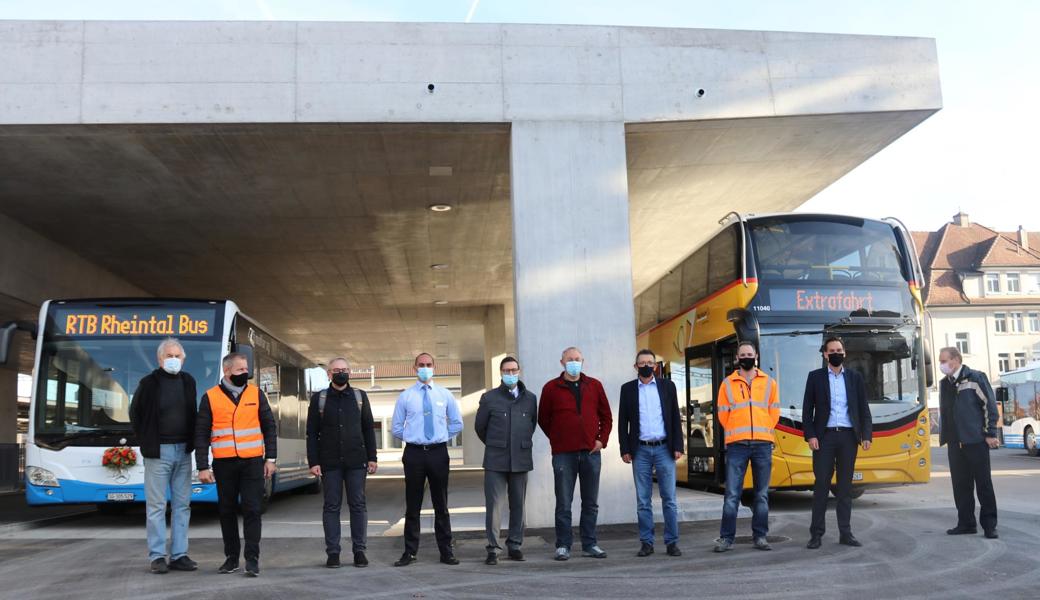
[
  {"x": 573, "y": 286},
  {"x": 472, "y": 388},
  {"x": 9, "y": 420}
]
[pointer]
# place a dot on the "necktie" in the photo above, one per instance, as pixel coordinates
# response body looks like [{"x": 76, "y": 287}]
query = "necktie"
[{"x": 427, "y": 408}]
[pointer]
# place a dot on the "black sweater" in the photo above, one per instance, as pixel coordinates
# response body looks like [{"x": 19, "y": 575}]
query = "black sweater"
[
  {"x": 145, "y": 411},
  {"x": 342, "y": 436}
]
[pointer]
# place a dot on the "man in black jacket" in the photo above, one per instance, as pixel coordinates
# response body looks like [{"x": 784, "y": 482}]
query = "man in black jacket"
[
  {"x": 968, "y": 428},
  {"x": 836, "y": 419},
  {"x": 651, "y": 439},
  {"x": 341, "y": 449},
  {"x": 505, "y": 422},
  {"x": 162, "y": 415}
]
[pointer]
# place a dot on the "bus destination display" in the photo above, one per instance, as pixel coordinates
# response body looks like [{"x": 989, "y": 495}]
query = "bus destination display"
[
  {"x": 843, "y": 300},
  {"x": 120, "y": 322}
]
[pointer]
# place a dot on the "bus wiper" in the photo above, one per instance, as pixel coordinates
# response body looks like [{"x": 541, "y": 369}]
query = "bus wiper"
[{"x": 62, "y": 441}]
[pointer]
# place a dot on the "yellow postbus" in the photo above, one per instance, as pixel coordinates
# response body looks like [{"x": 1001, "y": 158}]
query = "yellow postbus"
[{"x": 785, "y": 282}]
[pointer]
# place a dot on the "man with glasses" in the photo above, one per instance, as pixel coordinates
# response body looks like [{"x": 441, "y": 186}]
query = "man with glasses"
[
  {"x": 425, "y": 417},
  {"x": 506, "y": 420},
  {"x": 341, "y": 450}
]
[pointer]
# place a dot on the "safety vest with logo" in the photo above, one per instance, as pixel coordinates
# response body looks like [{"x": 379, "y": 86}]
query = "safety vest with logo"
[
  {"x": 749, "y": 412},
  {"x": 236, "y": 427}
]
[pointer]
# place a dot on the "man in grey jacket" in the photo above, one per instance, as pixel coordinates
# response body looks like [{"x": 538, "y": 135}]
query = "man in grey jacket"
[{"x": 506, "y": 420}]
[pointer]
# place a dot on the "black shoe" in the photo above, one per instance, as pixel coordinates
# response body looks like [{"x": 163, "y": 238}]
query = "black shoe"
[
  {"x": 991, "y": 534},
  {"x": 332, "y": 562},
  {"x": 958, "y": 530},
  {"x": 159, "y": 566},
  {"x": 849, "y": 540},
  {"x": 405, "y": 560},
  {"x": 515, "y": 554},
  {"x": 230, "y": 566},
  {"x": 645, "y": 550},
  {"x": 449, "y": 559},
  {"x": 360, "y": 560},
  {"x": 814, "y": 542},
  {"x": 252, "y": 568},
  {"x": 184, "y": 564},
  {"x": 673, "y": 550},
  {"x": 492, "y": 559}
]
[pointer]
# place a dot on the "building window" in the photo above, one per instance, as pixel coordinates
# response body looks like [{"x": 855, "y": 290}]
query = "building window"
[
  {"x": 993, "y": 282},
  {"x": 1000, "y": 322},
  {"x": 1014, "y": 284},
  {"x": 962, "y": 343},
  {"x": 1034, "y": 322},
  {"x": 1018, "y": 324},
  {"x": 1020, "y": 360},
  {"x": 1003, "y": 362}
]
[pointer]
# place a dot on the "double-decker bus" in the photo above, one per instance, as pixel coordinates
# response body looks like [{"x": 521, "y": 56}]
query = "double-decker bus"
[
  {"x": 90, "y": 356},
  {"x": 786, "y": 282}
]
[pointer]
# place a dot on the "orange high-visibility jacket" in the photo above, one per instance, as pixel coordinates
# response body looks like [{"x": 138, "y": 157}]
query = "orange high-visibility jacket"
[
  {"x": 236, "y": 427},
  {"x": 749, "y": 412}
]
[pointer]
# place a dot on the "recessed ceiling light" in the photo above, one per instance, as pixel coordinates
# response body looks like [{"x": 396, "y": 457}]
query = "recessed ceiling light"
[
  {"x": 441, "y": 326},
  {"x": 438, "y": 266},
  {"x": 440, "y": 302},
  {"x": 440, "y": 207},
  {"x": 441, "y": 286},
  {"x": 440, "y": 171}
]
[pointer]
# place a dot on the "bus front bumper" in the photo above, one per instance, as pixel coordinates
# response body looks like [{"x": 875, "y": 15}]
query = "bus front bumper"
[{"x": 82, "y": 492}]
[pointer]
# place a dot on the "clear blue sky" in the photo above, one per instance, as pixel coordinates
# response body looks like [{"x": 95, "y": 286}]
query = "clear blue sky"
[{"x": 977, "y": 154}]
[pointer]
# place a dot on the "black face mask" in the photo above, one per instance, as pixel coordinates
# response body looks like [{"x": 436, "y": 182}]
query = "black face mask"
[
  {"x": 340, "y": 379},
  {"x": 836, "y": 359},
  {"x": 239, "y": 380},
  {"x": 646, "y": 371},
  {"x": 746, "y": 363}
]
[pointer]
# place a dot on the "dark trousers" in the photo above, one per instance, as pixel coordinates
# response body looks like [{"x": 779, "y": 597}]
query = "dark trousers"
[
  {"x": 837, "y": 453},
  {"x": 240, "y": 488},
  {"x": 568, "y": 467},
  {"x": 970, "y": 475},
  {"x": 498, "y": 484},
  {"x": 738, "y": 456},
  {"x": 332, "y": 483},
  {"x": 422, "y": 465}
]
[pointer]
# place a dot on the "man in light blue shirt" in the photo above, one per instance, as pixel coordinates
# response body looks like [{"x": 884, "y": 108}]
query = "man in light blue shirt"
[{"x": 425, "y": 418}]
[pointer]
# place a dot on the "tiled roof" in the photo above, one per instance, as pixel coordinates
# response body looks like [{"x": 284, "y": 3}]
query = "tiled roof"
[{"x": 956, "y": 250}]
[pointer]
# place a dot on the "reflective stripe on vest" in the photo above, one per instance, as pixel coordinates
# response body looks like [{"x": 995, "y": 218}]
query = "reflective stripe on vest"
[
  {"x": 236, "y": 427},
  {"x": 750, "y": 431}
]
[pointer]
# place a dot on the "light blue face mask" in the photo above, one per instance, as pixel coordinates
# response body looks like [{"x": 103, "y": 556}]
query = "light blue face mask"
[
  {"x": 425, "y": 374},
  {"x": 510, "y": 380},
  {"x": 172, "y": 365},
  {"x": 573, "y": 367}
]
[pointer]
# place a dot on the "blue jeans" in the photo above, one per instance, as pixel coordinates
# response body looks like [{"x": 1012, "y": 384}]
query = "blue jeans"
[
  {"x": 168, "y": 474},
  {"x": 644, "y": 461},
  {"x": 738, "y": 455},
  {"x": 567, "y": 467}
]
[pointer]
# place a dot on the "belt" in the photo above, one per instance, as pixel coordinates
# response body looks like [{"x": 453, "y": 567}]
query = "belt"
[
  {"x": 839, "y": 429},
  {"x": 427, "y": 446},
  {"x": 652, "y": 442}
]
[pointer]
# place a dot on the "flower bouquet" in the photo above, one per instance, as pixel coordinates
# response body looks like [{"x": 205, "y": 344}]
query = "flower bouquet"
[{"x": 119, "y": 458}]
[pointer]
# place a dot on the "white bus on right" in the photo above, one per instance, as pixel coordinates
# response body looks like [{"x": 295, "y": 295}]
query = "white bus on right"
[{"x": 1021, "y": 407}]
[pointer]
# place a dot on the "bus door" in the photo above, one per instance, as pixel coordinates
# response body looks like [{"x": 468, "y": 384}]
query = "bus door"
[{"x": 702, "y": 456}]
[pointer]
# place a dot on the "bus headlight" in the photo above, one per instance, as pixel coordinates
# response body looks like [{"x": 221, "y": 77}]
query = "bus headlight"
[
  {"x": 920, "y": 432},
  {"x": 922, "y": 420},
  {"x": 917, "y": 444},
  {"x": 40, "y": 477},
  {"x": 921, "y": 462}
]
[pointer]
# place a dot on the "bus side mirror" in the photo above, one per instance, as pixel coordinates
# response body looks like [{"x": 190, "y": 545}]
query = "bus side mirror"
[
  {"x": 929, "y": 372},
  {"x": 7, "y": 333},
  {"x": 247, "y": 350}
]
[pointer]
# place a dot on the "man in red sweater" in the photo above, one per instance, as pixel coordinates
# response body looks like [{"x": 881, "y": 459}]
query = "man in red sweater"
[{"x": 575, "y": 415}]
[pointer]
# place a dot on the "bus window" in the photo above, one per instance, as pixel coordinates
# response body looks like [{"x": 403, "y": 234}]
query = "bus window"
[
  {"x": 724, "y": 255},
  {"x": 289, "y": 402},
  {"x": 649, "y": 303},
  {"x": 695, "y": 278},
  {"x": 700, "y": 412},
  {"x": 671, "y": 294}
]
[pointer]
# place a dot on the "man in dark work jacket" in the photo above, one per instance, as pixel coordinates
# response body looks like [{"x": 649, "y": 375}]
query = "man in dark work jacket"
[
  {"x": 162, "y": 415},
  {"x": 341, "y": 449}
]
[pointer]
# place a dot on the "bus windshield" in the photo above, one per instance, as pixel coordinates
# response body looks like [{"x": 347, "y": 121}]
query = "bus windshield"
[
  {"x": 838, "y": 249},
  {"x": 85, "y": 386},
  {"x": 883, "y": 359}
]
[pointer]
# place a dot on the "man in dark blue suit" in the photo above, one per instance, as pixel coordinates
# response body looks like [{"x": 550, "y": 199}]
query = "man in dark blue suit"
[
  {"x": 651, "y": 438},
  {"x": 836, "y": 419}
]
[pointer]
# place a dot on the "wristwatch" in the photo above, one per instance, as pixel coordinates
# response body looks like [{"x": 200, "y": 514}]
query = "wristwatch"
[{"x": 271, "y": 460}]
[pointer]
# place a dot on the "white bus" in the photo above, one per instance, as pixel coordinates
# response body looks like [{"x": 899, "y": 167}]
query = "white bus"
[
  {"x": 90, "y": 356},
  {"x": 1020, "y": 400}
]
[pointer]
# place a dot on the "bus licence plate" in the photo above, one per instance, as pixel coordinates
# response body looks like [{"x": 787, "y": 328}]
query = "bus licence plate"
[
  {"x": 121, "y": 497},
  {"x": 857, "y": 476}
]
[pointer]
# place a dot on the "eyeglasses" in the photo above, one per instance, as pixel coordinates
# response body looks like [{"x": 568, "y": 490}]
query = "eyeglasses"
[
  {"x": 644, "y": 363},
  {"x": 511, "y": 371},
  {"x": 334, "y": 371}
]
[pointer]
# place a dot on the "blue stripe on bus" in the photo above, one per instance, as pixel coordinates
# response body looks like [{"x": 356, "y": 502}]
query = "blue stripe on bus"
[{"x": 80, "y": 492}]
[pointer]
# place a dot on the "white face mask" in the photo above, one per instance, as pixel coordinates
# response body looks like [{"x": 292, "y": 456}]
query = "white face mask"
[
  {"x": 172, "y": 365},
  {"x": 946, "y": 369}
]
